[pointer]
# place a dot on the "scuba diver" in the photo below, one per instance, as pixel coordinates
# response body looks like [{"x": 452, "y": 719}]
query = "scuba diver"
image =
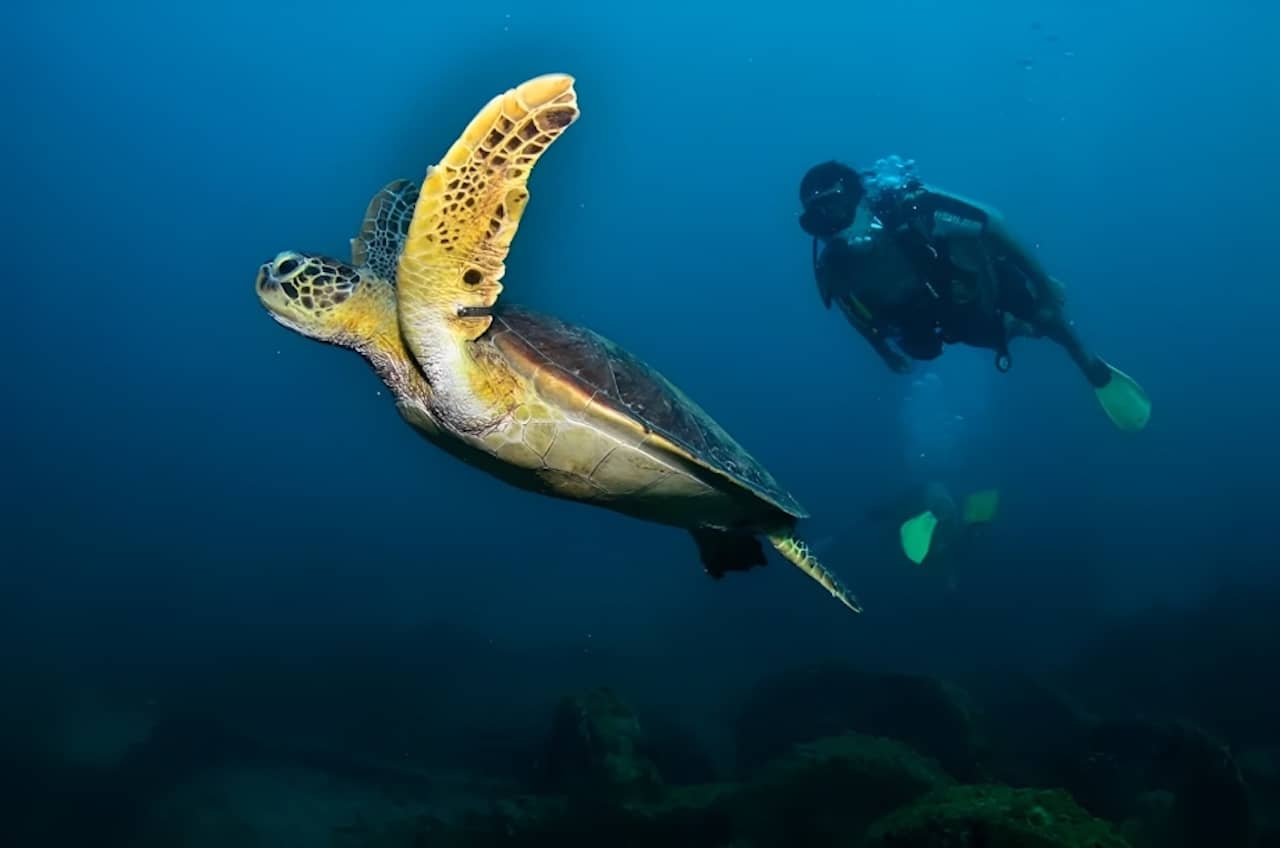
[
  {"x": 935, "y": 531},
  {"x": 913, "y": 265},
  {"x": 931, "y": 523}
]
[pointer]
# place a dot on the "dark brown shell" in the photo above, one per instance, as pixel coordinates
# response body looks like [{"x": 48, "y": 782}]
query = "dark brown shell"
[{"x": 611, "y": 375}]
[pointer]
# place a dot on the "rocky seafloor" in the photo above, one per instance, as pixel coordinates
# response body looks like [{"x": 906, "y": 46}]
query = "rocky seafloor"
[
  {"x": 826, "y": 755},
  {"x": 1152, "y": 749}
]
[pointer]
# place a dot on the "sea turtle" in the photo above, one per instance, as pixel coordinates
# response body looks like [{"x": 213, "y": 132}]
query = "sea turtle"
[{"x": 540, "y": 403}]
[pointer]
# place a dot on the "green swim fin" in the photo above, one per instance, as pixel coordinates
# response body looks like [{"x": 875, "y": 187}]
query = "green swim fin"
[
  {"x": 1124, "y": 401},
  {"x": 980, "y": 507},
  {"x": 917, "y": 535}
]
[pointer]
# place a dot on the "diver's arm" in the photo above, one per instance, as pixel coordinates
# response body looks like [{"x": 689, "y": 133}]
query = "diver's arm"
[
  {"x": 1001, "y": 242},
  {"x": 834, "y": 269},
  {"x": 896, "y": 361},
  {"x": 1050, "y": 317}
]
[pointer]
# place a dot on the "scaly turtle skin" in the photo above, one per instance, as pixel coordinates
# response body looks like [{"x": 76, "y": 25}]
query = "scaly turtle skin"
[{"x": 544, "y": 405}]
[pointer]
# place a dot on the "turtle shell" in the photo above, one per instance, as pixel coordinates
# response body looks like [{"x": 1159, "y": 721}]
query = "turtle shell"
[{"x": 611, "y": 376}]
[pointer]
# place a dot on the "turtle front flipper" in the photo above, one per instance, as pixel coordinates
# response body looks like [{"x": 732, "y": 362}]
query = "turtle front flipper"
[
  {"x": 797, "y": 552},
  {"x": 385, "y": 228},
  {"x": 468, "y": 211}
]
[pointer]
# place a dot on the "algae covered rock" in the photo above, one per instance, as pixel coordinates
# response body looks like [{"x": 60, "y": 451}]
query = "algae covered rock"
[
  {"x": 595, "y": 750},
  {"x": 823, "y": 792},
  {"x": 820, "y": 794},
  {"x": 993, "y": 817}
]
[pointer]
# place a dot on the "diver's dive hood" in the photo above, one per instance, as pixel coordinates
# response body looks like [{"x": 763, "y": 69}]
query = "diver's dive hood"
[{"x": 830, "y": 193}]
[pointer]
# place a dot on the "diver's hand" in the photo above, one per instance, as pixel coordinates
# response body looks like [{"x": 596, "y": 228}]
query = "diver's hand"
[{"x": 897, "y": 363}]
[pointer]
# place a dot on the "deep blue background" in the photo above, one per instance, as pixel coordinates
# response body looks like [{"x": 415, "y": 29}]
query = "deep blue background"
[{"x": 186, "y": 481}]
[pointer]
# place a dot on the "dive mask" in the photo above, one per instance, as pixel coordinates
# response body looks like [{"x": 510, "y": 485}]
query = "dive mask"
[{"x": 828, "y": 211}]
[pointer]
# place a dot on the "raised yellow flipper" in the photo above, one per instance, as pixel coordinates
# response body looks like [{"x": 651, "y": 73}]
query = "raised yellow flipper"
[{"x": 469, "y": 209}]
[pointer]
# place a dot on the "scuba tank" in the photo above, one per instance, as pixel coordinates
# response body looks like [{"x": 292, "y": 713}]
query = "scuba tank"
[{"x": 890, "y": 184}]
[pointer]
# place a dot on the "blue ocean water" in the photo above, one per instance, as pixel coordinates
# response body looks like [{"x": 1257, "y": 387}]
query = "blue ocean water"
[{"x": 188, "y": 484}]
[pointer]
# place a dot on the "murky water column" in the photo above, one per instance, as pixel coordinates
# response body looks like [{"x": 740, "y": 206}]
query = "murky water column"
[{"x": 943, "y": 413}]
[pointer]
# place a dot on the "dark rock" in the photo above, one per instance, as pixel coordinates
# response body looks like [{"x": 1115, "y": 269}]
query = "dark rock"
[
  {"x": 262, "y": 804},
  {"x": 1211, "y": 800},
  {"x": 1260, "y": 768},
  {"x": 1035, "y": 734},
  {"x": 1199, "y": 662},
  {"x": 595, "y": 750},
  {"x": 677, "y": 752},
  {"x": 1152, "y": 822},
  {"x": 683, "y": 818},
  {"x": 829, "y": 699}
]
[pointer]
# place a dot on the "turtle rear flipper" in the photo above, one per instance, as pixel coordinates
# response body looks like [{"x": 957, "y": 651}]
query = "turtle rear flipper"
[
  {"x": 796, "y": 551},
  {"x": 722, "y": 551}
]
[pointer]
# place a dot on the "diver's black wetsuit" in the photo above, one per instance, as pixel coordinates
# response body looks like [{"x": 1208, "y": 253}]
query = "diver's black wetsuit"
[{"x": 926, "y": 268}]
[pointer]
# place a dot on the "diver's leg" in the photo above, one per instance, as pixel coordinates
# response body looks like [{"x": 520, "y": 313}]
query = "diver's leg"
[
  {"x": 1056, "y": 327},
  {"x": 1124, "y": 401},
  {"x": 1042, "y": 306},
  {"x": 1016, "y": 328},
  {"x": 1039, "y": 310}
]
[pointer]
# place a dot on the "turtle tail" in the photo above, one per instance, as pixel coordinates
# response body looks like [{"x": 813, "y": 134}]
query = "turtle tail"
[{"x": 796, "y": 551}]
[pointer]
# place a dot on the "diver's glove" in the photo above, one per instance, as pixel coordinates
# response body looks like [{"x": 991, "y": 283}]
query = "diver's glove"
[{"x": 898, "y": 363}]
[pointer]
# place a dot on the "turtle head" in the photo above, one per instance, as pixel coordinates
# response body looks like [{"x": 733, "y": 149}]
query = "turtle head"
[{"x": 326, "y": 300}]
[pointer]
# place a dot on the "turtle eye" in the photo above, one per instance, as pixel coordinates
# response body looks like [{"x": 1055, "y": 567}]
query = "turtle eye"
[{"x": 288, "y": 266}]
